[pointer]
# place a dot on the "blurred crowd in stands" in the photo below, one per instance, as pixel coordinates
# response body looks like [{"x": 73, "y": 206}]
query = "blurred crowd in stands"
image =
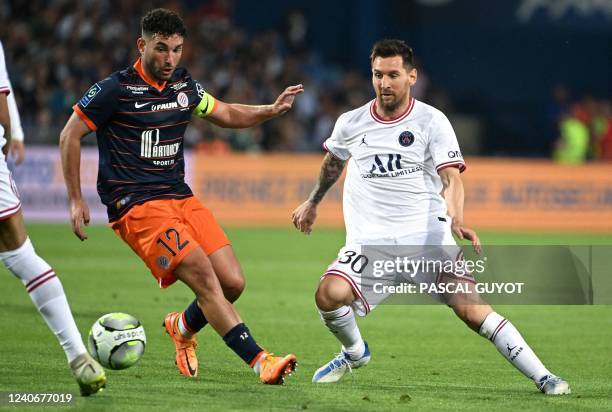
[
  {"x": 57, "y": 48},
  {"x": 582, "y": 127}
]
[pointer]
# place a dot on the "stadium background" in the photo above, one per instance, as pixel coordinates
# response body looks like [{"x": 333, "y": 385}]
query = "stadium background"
[{"x": 516, "y": 78}]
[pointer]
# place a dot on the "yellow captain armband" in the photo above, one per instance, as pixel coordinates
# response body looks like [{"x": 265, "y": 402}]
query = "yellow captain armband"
[{"x": 207, "y": 105}]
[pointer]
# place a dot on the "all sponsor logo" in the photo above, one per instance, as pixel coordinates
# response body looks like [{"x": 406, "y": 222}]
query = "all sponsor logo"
[
  {"x": 178, "y": 86},
  {"x": 137, "y": 89},
  {"x": 139, "y": 105},
  {"x": 389, "y": 167},
  {"x": 164, "y": 106},
  {"x": 151, "y": 149},
  {"x": 89, "y": 96},
  {"x": 510, "y": 349},
  {"x": 181, "y": 101},
  {"x": 454, "y": 154},
  {"x": 130, "y": 334},
  {"x": 518, "y": 352}
]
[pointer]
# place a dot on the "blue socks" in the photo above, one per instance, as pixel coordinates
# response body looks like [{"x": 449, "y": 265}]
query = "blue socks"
[
  {"x": 239, "y": 339},
  {"x": 194, "y": 317}
]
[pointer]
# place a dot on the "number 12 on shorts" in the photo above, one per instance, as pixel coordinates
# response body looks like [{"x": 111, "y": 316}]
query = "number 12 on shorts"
[{"x": 174, "y": 245}]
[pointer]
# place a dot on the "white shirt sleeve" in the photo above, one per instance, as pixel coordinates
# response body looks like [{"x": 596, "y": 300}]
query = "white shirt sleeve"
[
  {"x": 443, "y": 144},
  {"x": 4, "y": 80},
  {"x": 5, "y": 87},
  {"x": 336, "y": 144}
]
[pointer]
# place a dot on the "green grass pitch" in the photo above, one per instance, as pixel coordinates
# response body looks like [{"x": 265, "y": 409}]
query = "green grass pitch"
[{"x": 423, "y": 358}]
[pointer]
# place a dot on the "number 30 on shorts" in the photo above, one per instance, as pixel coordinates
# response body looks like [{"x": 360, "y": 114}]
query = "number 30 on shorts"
[
  {"x": 357, "y": 262},
  {"x": 172, "y": 236}
]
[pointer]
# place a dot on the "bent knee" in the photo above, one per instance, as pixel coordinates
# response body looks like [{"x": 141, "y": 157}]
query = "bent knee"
[
  {"x": 199, "y": 275},
  {"x": 332, "y": 295},
  {"x": 233, "y": 286},
  {"x": 325, "y": 302}
]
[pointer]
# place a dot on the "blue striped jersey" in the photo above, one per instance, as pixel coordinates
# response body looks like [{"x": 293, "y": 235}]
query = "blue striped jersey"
[{"x": 140, "y": 126}]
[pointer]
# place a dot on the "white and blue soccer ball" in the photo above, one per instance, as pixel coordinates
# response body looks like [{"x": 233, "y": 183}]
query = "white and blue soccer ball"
[{"x": 117, "y": 340}]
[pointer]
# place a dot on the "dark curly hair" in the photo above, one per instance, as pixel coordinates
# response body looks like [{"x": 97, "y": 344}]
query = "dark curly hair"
[
  {"x": 393, "y": 47},
  {"x": 164, "y": 22}
]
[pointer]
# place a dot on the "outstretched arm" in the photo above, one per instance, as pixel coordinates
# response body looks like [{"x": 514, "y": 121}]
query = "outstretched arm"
[
  {"x": 70, "y": 148},
  {"x": 453, "y": 194},
  {"x": 304, "y": 215},
  {"x": 238, "y": 116}
]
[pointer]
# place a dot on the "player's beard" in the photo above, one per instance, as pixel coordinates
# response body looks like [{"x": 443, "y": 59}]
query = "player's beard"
[
  {"x": 389, "y": 107},
  {"x": 165, "y": 76},
  {"x": 158, "y": 73}
]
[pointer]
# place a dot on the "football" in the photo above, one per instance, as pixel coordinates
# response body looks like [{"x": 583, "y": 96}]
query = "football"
[{"x": 117, "y": 340}]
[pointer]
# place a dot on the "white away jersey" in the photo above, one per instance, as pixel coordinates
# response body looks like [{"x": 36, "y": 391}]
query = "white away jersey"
[{"x": 392, "y": 187}]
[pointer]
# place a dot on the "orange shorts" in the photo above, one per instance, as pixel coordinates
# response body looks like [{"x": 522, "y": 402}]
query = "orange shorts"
[{"x": 162, "y": 232}]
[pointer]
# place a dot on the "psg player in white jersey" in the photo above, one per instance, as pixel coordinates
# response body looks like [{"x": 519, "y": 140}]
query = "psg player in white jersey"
[
  {"x": 403, "y": 187},
  {"x": 19, "y": 256}
]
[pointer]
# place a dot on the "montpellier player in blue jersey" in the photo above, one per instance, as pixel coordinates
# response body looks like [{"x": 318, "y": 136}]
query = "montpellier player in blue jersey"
[{"x": 140, "y": 115}]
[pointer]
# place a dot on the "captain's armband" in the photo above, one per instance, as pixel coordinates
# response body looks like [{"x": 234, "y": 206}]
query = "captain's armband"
[{"x": 207, "y": 105}]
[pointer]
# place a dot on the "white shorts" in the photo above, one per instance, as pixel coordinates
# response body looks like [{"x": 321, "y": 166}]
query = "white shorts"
[
  {"x": 355, "y": 264},
  {"x": 9, "y": 196}
]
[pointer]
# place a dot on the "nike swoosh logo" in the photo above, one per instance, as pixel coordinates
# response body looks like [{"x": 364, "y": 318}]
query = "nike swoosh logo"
[
  {"x": 139, "y": 105},
  {"x": 191, "y": 371}
]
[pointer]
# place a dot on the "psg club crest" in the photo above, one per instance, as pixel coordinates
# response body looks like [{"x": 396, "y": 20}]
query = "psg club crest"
[{"x": 406, "y": 138}]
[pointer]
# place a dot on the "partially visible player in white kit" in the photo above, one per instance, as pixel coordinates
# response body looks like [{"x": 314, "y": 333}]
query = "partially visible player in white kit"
[
  {"x": 403, "y": 187},
  {"x": 18, "y": 255}
]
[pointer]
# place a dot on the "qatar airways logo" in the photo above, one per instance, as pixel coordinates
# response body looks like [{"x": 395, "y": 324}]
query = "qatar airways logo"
[{"x": 150, "y": 147}]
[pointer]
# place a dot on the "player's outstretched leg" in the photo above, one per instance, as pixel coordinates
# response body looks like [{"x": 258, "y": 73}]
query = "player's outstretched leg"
[
  {"x": 182, "y": 327},
  {"x": 512, "y": 346},
  {"x": 196, "y": 271},
  {"x": 333, "y": 299},
  {"x": 47, "y": 294}
]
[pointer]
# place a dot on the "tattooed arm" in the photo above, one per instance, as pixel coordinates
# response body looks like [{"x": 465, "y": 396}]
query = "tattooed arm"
[{"x": 305, "y": 214}]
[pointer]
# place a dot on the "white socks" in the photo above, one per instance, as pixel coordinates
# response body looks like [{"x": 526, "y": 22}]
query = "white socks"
[
  {"x": 341, "y": 322},
  {"x": 46, "y": 291},
  {"x": 512, "y": 346},
  {"x": 506, "y": 338}
]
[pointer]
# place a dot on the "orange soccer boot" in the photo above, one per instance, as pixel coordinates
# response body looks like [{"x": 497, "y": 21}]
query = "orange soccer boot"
[
  {"x": 273, "y": 369},
  {"x": 186, "y": 359}
]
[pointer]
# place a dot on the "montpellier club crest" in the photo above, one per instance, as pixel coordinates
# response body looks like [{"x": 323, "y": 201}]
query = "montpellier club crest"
[
  {"x": 182, "y": 99},
  {"x": 406, "y": 138},
  {"x": 163, "y": 262}
]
